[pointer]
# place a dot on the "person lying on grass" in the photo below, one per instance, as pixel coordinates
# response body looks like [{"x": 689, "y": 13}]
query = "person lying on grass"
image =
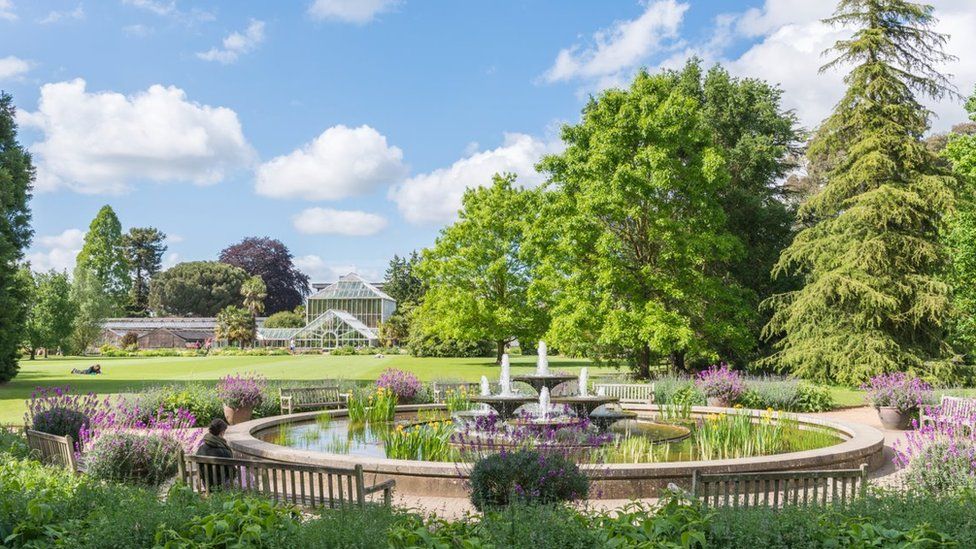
[{"x": 91, "y": 370}]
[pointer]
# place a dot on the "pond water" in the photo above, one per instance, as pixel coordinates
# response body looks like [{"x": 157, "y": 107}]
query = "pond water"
[{"x": 630, "y": 441}]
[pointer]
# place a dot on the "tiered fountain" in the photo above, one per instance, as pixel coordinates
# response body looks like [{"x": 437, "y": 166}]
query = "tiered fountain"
[{"x": 583, "y": 404}]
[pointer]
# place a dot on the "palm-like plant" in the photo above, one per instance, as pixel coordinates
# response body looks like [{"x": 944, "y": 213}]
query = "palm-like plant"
[{"x": 254, "y": 292}]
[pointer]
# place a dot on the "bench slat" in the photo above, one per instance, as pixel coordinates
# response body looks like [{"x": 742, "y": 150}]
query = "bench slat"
[{"x": 777, "y": 489}]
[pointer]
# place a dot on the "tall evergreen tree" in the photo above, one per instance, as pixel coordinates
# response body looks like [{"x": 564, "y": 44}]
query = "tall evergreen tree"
[
  {"x": 874, "y": 299},
  {"x": 16, "y": 177},
  {"x": 103, "y": 257},
  {"x": 144, "y": 248}
]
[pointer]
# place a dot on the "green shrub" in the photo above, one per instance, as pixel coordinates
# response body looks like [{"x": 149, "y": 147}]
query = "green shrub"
[
  {"x": 942, "y": 468},
  {"x": 148, "y": 459},
  {"x": 242, "y": 522},
  {"x": 13, "y": 444},
  {"x": 347, "y": 350},
  {"x": 525, "y": 476},
  {"x": 434, "y": 347},
  {"x": 60, "y": 422},
  {"x": 813, "y": 398}
]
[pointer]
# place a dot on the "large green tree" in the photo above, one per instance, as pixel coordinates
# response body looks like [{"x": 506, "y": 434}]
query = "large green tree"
[
  {"x": 760, "y": 143},
  {"x": 403, "y": 284},
  {"x": 873, "y": 297},
  {"x": 633, "y": 234},
  {"x": 476, "y": 274},
  {"x": 143, "y": 248},
  {"x": 16, "y": 178},
  {"x": 960, "y": 150},
  {"x": 51, "y": 319},
  {"x": 196, "y": 288},
  {"x": 235, "y": 325},
  {"x": 103, "y": 258},
  {"x": 254, "y": 292}
]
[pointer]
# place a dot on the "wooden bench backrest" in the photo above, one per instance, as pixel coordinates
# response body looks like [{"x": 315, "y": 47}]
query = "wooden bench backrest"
[
  {"x": 781, "y": 488},
  {"x": 957, "y": 406},
  {"x": 52, "y": 449},
  {"x": 304, "y": 485},
  {"x": 627, "y": 392},
  {"x": 310, "y": 395}
]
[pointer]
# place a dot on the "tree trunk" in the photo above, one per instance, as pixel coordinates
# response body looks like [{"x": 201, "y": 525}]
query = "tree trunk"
[
  {"x": 33, "y": 351},
  {"x": 644, "y": 362},
  {"x": 678, "y": 361},
  {"x": 501, "y": 351}
]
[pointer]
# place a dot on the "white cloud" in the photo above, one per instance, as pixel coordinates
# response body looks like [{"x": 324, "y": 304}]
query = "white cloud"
[
  {"x": 623, "y": 46},
  {"x": 159, "y": 7},
  {"x": 235, "y": 44},
  {"x": 139, "y": 30},
  {"x": 350, "y": 11},
  {"x": 171, "y": 259},
  {"x": 55, "y": 16},
  {"x": 100, "y": 142},
  {"x": 7, "y": 10},
  {"x": 57, "y": 251},
  {"x": 320, "y": 271},
  {"x": 12, "y": 67},
  {"x": 792, "y": 39},
  {"x": 436, "y": 196},
  {"x": 339, "y": 163},
  {"x": 343, "y": 222}
]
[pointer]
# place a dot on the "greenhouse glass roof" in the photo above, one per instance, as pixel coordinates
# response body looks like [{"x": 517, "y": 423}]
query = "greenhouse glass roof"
[
  {"x": 277, "y": 333},
  {"x": 351, "y": 286}
]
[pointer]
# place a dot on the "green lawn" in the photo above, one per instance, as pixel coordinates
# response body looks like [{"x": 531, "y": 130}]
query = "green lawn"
[{"x": 126, "y": 374}]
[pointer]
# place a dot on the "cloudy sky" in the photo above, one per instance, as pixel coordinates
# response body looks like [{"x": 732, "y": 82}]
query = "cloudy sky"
[{"x": 350, "y": 128}]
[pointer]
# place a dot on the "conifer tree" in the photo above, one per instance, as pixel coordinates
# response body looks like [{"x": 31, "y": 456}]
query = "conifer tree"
[{"x": 874, "y": 298}]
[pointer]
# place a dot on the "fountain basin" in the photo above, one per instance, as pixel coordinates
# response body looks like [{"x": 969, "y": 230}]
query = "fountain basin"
[
  {"x": 504, "y": 405},
  {"x": 857, "y": 444},
  {"x": 584, "y": 405},
  {"x": 538, "y": 381}
]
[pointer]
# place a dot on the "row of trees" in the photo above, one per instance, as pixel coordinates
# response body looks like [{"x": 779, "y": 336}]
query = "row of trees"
[{"x": 668, "y": 229}]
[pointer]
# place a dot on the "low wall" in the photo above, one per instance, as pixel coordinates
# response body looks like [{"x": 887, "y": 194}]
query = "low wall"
[{"x": 860, "y": 444}]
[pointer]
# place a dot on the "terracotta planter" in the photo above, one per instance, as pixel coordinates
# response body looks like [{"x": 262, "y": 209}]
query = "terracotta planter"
[
  {"x": 718, "y": 402},
  {"x": 894, "y": 419},
  {"x": 237, "y": 415}
]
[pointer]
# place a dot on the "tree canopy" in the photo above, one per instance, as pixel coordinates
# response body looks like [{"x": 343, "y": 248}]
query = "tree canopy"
[
  {"x": 103, "y": 256},
  {"x": 196, "y": 288},
  {"x": 633, "y": 231},
  {"x": 51, "y": 319},
  {"x": 143, "y": 248},
  {"x": 16, "y": 179},
  {"x": 236, "y": 325},
  {"x": 271, "y": 260},
  {"x": 477, "y": 275},
  {"x": 874, "y": 298},
  {"x": 254, "y": 293},
  {"x": 960, "y": 150}
]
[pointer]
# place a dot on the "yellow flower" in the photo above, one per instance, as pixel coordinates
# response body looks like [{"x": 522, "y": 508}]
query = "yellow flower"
[{"x": 738, "y": 406}]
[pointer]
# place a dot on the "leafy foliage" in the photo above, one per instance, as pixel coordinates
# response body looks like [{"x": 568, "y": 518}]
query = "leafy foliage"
[
  {"x": 16, "y": 177},
  {"x": 632, "y": 229},
  {"x": 873, "y": 299},
  {"x": 51, "y": 318},
  {"x": 254, "y": 293},
  {"x": 236, "y": 325},
  {"x": 272, "y": 261},
  {"x": 285, "y": 319},
  {"x": 143, "y": 248},
  {"x": 196, "y": 288},
  {"x": 103, "y": 259},
  {"x": 141, "y": 458},
  {"x": 525, "y": 476},
  {"x": 477, "y": 275},
  {"x": 961, "y": 238}
]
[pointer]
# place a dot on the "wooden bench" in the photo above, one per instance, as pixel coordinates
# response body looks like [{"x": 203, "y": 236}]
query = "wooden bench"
[
  {"x": 954, "y": 409},
  {"x": 52, "y": 449},
  {"x": 309, "y": 398},
  {"x": 628, "y": 393},
  {"x": 780, "y": 488},
  {"x": 304, "y": 485}
]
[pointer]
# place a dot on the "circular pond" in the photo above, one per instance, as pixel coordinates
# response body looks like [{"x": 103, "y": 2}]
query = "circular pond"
[{"x": 636, "y": 458}]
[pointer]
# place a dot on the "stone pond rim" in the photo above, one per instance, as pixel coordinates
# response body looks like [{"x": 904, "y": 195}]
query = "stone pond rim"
[{"x": 860, "y": 444}]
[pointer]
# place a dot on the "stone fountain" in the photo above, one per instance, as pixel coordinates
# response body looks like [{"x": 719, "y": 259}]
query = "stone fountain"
[
  {"x": 506, "y": 401},
  {"x": 542, "y": 378}
]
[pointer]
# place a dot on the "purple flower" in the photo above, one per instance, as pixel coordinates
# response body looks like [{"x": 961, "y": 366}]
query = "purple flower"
[
  {"x": 242, "y": 391},
  {"x": 898, "y": 390},
  {"x": 403, "y": 384},
  {"x": 720, "y": 382}
]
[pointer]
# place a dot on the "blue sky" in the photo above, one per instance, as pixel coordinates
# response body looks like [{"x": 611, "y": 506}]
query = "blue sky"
[{"x": 349, "y": 128}]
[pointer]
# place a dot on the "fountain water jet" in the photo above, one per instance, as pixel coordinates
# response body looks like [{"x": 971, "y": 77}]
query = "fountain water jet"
[
  {"x": 583, "y": 380},
  {"x": 485, "y": 386},
  {"x": 505, "y": 380},
  {"x": 544, "y": 405},
  {"x": 542, "y": 363}
]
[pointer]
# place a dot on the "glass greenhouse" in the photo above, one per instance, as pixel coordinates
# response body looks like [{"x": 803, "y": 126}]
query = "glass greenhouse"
[{"x": 345, "y": 313}]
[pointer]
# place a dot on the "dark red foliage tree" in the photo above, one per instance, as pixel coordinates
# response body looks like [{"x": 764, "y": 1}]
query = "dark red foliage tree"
[{"x": 271, "y": 260}]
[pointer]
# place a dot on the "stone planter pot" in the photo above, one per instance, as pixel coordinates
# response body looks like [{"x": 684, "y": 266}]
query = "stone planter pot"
[
  {"x": 718, "y": 402},
  {"x": 237, "y": 415},
  {"x": 894, "y": 419}
]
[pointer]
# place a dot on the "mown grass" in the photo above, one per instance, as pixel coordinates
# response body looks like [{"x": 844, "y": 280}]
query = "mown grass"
[{"x": 127, "y": 374}]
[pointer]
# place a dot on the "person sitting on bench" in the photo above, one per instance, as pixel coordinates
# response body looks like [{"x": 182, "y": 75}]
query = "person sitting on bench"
[
  {"x": 91, "y": 370},
  {"x": 214, "y": 445}
]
